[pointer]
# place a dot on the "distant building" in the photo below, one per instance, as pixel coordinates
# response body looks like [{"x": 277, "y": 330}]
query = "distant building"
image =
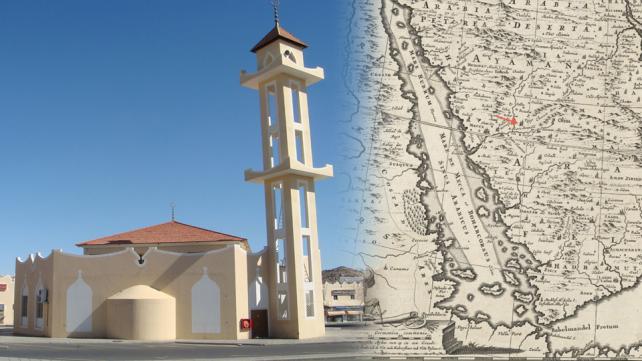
[
  {"x": 6, "y": 300},
  {"x": 174, "y": 280},
  {"x": 343, "y": 295}
]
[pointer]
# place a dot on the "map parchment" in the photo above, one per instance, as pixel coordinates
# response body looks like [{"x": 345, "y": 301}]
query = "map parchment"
[{"x": 497, "y": 156}]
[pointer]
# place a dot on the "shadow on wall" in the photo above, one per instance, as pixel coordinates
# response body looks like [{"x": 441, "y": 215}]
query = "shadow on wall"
[{"x": 176, "y": 269}]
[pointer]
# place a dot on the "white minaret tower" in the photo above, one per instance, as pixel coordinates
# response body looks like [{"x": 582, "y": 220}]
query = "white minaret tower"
[{"x": 288, "y": 175}]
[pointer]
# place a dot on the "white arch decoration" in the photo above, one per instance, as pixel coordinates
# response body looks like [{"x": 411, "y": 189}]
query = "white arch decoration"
[
  {"x": 206, "y": 305},
  {"x": 79, "y": 306},
  {"x": 39, "y": 288}
]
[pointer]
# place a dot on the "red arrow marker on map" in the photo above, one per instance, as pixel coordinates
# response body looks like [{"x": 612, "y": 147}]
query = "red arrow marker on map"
[{"x": 512, "y": 120}]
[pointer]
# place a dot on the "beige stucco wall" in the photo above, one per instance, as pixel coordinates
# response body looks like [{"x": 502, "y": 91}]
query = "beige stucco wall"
[
  {"x": 6, "y": 299},
  {"x": 178, "y": 275}
]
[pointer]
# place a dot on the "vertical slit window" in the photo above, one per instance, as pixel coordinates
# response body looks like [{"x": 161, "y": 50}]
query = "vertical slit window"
[
  {"x": 41, "y": 298},
  {"x": 303, "y": 205},
  {"x": 309, "y": 303},
  {"x": 273, "y": 107},
  {"x": 296, "y": 103},
  {"x": 24, "y": 305},
  {"x": 307, "y": 258},
  {"x": 274, "y": 146},
  {"x": 282, "y": 305},
  {"x": 277, "y": 200},
  {"x": 298, "y": 137},
  {"x": 273, "y": 125},
  {"x": 39, "y": 309},
  {"x": 281, "y": 262}
]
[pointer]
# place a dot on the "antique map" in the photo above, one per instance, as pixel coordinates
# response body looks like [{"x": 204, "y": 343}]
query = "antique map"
[{"x": 497, "y": 155}]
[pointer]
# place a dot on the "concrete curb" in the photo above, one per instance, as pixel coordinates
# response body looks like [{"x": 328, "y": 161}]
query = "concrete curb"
[
  {"x": 75, "y": 341},
  {"x": 343, "y": 356},
  {"x": 346, "y": 356},
  {"x": 267, "y": 342},
  {"x": 222, "y": 343}
]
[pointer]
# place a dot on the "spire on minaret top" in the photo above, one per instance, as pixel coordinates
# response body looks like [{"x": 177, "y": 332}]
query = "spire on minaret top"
[
  {"x": 275, "y": 5},
  {"x": 278, "y": 33}
]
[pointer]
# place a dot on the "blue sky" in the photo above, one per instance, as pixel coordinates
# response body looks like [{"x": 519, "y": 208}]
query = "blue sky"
[{"x": 112, "y": 110}]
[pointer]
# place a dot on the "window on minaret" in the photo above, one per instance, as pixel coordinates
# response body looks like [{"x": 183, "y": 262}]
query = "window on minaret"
[
  {"x": 274, "y": 146},
  {"x": 307, "y": 259},
  {"x": 273, "y": 106},
  {"x": 281, "y": 279},
  {"x": 277, "y": 200},
  {"x": 309, "y": 303},
  {"x": 288, "y": 54},
  {"x": 273, "y": 125},
  {"x": 280, "y": 251},
  {"x": 282, "y": 305},
  {"x": 296, "y": 101},
  {"x": 298, "y": 137},
  {"x": 303, "y": 205},
  {"x": 281, "y": 262}
]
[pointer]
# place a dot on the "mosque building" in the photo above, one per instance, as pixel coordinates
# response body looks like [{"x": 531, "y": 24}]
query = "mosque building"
[{"x": 178, "y": 281}]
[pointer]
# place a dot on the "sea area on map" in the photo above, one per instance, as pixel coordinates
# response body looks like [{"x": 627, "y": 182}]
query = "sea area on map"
[
  {"x": 612, "y": 321},
  {"x": 488, "y": 267}
]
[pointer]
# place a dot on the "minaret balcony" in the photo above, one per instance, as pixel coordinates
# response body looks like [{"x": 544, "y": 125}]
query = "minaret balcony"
[
  {"x": 289, "y": 168},
  {"x": 281, "y": 66}
]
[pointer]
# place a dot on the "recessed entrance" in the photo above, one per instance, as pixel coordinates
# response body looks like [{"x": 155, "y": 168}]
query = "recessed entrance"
[{"x": 259, "y": 323}]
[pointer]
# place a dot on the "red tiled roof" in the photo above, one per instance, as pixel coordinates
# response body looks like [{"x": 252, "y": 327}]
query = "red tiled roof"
[
  {"x": 278, "y": 33},
  {"x": 170, "y": 232}
]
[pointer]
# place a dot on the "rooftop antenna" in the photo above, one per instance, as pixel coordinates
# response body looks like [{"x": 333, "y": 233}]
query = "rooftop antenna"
[
  {"x": 275, "y": 6},
  {"x": 173, "y": 206}
]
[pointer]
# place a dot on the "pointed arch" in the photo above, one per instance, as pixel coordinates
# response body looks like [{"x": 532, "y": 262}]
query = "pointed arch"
[
  {"x": 39, "y": 304},
  {"x": 258, "y": 292},
  {"x": 268, "y": 59},
  {"x": 79, "y": 306},
  {"x": 206, "y": 305}
]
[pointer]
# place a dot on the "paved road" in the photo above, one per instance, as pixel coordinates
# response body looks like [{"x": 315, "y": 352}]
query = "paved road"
[{"x": 174, "y": 351}]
